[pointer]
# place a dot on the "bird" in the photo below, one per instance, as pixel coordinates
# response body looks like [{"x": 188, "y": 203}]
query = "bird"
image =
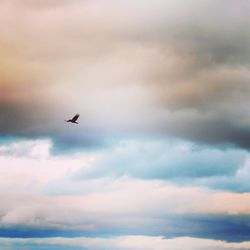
[{"x": 74, "y": 119}]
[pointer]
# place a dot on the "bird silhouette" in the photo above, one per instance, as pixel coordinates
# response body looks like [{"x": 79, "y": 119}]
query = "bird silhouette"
[{"x": 74, "y": 119}]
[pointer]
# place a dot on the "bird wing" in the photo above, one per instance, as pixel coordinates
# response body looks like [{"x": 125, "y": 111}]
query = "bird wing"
[{"x": 75, "y": 117}]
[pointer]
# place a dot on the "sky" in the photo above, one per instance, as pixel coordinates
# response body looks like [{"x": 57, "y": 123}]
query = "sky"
[{"x": 160, "y": 158}]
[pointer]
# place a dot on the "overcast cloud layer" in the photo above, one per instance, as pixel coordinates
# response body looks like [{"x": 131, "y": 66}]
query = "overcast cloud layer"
[
  {"x": 161, "y": 67},
  {"x": 160, "y": 158}
]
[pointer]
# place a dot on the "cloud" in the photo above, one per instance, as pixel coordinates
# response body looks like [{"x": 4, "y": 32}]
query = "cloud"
[
  {"x": 31, "y": 163},
  {"x": 173, "y": 69},
  {"x": 46, "y": 195},
  {"x": 126, "y": 243},
  {"x": 27, "y": 165},
  {"x": 178, "y": 162},
  {"x": 167, "y": 69}
]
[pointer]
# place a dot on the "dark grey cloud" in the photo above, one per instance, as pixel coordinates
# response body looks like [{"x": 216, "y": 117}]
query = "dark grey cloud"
[{"x": 171, "y": 68}]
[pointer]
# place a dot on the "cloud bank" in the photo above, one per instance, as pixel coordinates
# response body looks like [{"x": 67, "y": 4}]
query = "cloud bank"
[
  {"x": 171, "y": 68},
  {"x": 44, "y": 195}
]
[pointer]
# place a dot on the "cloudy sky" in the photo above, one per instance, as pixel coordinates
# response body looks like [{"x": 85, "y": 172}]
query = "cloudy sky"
[{"x": 160, "y": 159}]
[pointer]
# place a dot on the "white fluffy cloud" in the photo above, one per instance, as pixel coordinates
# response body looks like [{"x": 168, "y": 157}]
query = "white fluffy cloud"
[{"x": 27, "y": 165}]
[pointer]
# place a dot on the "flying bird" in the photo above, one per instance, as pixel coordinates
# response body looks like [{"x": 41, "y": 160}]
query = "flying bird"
[{"x": 74, "y": 119}]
